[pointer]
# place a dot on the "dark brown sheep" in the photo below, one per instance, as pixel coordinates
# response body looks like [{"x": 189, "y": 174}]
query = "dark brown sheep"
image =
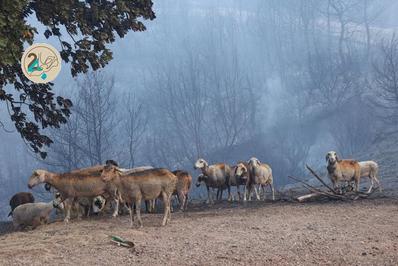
[{"x": 19, "y": 199}]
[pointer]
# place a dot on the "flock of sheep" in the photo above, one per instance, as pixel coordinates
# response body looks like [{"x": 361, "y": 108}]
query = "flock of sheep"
[{"x": 99, "y": 184}]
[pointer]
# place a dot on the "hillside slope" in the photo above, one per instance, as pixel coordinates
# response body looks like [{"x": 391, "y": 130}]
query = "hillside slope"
[{"x": 362, "y": 232}]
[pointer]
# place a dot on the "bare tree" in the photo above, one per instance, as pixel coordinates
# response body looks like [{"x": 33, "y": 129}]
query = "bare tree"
[
  {"x": 135, "y": 125},
  {"x": 180, "y": 97},
  {"x": 65, "y": 153},
  {"x": 96, "y": 110},
  {"x": 86, "y": 139}
]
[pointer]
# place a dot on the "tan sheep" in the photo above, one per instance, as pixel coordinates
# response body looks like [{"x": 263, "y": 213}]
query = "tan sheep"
[
  {"x": 342, "y": 170},
  {"x": 143, "y": 185},
  {"x": 34, "y": 214},
  {"x": 184, "y": 181},
  {"x": 239, "y": 178},
  {"x": 75, "y": 185},
  {"x": 214, "y": 176},
  {"x": 370, "y": 169},
  {"x": 261, "y": 175}
]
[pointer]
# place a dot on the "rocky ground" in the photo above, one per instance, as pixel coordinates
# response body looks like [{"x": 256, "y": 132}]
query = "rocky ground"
[{"x": 363, "y": 232}]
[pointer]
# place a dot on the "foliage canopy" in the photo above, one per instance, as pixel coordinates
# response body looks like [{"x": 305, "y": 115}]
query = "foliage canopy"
[{"x": 83, "y": 29}]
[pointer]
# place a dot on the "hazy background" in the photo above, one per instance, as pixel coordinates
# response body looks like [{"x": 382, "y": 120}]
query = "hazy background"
[{"x": 285, "y": 81}]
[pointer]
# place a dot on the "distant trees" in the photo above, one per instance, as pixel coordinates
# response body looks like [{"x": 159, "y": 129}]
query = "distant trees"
[
  {"x": 135, "y": 125},
  {"x": 385, "y": 81},
  {"x": 202, "y": 103}
]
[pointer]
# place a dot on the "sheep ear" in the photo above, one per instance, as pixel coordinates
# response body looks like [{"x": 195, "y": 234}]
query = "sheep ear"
[
  {"x": 327, "y": 158},
  {"x": 258, "y": 161},
  {"x": 338, "y": 159}
]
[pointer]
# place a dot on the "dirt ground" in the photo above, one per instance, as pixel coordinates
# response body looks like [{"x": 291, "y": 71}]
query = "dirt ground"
[{"x": 364, "y": 232}]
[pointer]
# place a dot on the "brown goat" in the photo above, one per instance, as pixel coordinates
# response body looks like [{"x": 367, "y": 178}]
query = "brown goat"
[{"x": 19, "y": 199}]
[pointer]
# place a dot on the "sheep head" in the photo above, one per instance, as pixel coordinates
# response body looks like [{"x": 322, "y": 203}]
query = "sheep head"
[
  {"x": 254, "y": 162},
  {"x": 110, "y": 172},
  {"x": 200, "y": 164},
  {"x": 200, "y": 179},
  {"x": 331, "y": 157},
  {"x": 240, "y": 170},
  {"x": 38, "y": 177},
  {"x": 58, "y": 202},
  {"x": 98, "y": 204}
]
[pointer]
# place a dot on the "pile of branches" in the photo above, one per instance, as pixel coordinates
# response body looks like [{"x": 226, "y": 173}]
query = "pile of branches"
[{"x": 346, "y": 192}]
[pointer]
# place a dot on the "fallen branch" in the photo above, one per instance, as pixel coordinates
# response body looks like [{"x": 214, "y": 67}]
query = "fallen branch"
[
  {"x": 308, "y": 196},
  {"x": 344, "y": 194},
  {"x": 316, "y": 190},
  {"x": 320, "y": 179}
]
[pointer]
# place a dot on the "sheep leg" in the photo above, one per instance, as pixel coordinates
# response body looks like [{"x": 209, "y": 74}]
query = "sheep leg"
[
  {"x": 116, "y": 210},
  {"x": 251, "y": 191},
  {"x": 181, "y": 200},
  {"x": 245, "y": 193},
  {"x": 261, "y": 188},
  {"x": 184, "y": 199},
  {"x": 170, "y": 208},
  {"x": 138, "y": 211},
  {"x": 76, "y": 204},
  {"x": 255, "y": 190},
  {"x": 273, "y": 191},
  {"x": 209, "y": 201},
  {"x": 36, "y": 222},
  {"x": 186, "y": 202},
  {"x": 238, "y": 192},
  {"x": 229, "y": 193},
  {"x": 378, "y": 183},
  {"x": 131, "y": 212},
  {"x": 334, "y": 184},
  {"x": 166, "y": 204},
  {"x": 171, "y": 203},
  {"x": 357, "y": 185},
  {"x": 248, "y": 193},
  {"x": 89, "y": 209},
  {"x": 371, "y": 185},
  {"x": 147, "y": 206},
  {"x": 220, "y": 191},
  {"x": 68, "y": 207}
]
